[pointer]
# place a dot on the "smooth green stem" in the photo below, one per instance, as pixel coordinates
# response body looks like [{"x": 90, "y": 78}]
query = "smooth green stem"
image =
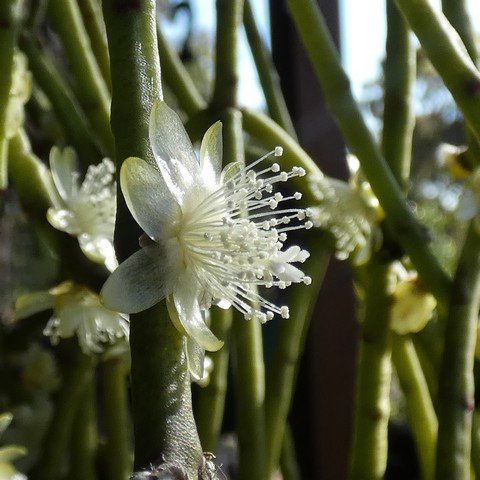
[
  {"x": 420, "y": 409},
  {"x": 164, "y": 427},
  {"x": 117, "y": 422},
  {"x": 55, "y": 443},
  {"x": 31, "y": 178},
  {"x": 269, "y": 79},
  {"x": 65, "y": 105},
  {"x": 372, "y": 407},
  {"x": 288, "y": 460},
  {"x": 457, "y": 14},
  {"x": 89, "y": 84},
  {"x": 249, "y": 381},
  {"x": 93, "y": 21},
  {"x": 10, "y": 18},
  {"x": 229, "y": 19},
  {"x": 339, "y": 99},
  {"x": 176, "y": 76},
  {"x": 83, "y": 446},
  {"x": 398, "y": 116},
  {"x": 448, "y": 55},
  {"x": 211, "y": 399},
  {"x": 456, "y": 382},
  {"x": 281, "y": 373}
]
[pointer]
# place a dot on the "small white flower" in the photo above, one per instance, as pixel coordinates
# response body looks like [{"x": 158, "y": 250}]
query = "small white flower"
[
  {"x": 76, "y": 310},
  {"x": 350, "y": 214},
  {"x": 86, "y": 211},
  {"x": 213, "y": 237}
]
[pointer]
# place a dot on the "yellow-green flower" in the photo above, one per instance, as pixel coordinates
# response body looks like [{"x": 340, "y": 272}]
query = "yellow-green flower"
[
  {"x": 86, "y": 211},
  {"x": 76, "y": 311},
  {"x": 212, "y": 236},
  {"x": 9, "y": 453},
  {"x": 412, "y": 306}
]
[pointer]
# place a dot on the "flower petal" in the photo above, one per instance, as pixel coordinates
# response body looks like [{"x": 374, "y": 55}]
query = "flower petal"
[
  {"x": 185, "y": 299},
  {"x": 148, "y": 197},
  {"x": 31, "y": 303},
  {"x": 63, "y": 220},
  {"x": 63, "y": 165},
  {"x": 173, "y": 150},
  {"x": 138, "y": 283},
  {"x": 211, "y": 154},
  {"x": 195, "y": 358}
]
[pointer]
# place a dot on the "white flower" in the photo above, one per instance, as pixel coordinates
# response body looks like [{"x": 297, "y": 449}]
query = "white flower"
[
  {"x": 9, "y": 453},
  {"x": 212, "y": 235},
  {"x": 349, "y": 211},
  {"x": 86, "y": 211},
  {"x": 76, "y": 310}
]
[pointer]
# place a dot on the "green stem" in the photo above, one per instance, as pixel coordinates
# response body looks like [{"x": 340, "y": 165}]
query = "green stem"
[
  {"x": 457, "y": 14},
  {"x": 229, "y": 19},
  {"x": 164, "y": 427},
  {"x": 249, "y": 381},
  {"x": 456, "y": 383},
  {"x": 89, "y": 84},
  {"x": 421, "y": 413},
  {"x": 77, "y": 375},
  {"x": 284, "y": 365},
  {"x": 211, "y": 399},
  {"x": 83, "y": 444},
  {"x": 269, "y": 79},
  {"x": 448, "y": 55},
  {"x": 339, "y": 99},
  {"x": 288, "y": 461},
  {"x": 10, "y": 18},
  {"x": 176, "y": 76},
  {"x": 93, "y": 21},
  {"x": 30, "y": 176},
  {"x": 247, "y": 355},
  {"x": 372, "y": 407},
  {"x": 63, "y": 102},
  {"x": 117, "y": 448},
  {"x": 398, "y": 116}
]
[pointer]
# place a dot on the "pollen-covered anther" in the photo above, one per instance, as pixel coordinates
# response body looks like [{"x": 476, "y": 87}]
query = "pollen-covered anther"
[
  {"x": 278, "y": 151},
  {"x": 307, "y": 280},
  {"x": 284, "y": 312}
]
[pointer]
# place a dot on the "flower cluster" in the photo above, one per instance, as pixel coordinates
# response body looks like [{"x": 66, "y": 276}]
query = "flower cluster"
[
  {"x": 349, "y": 211},
  {"x": 76, "y": 310},
  {"x": 86, "y": 211},
  {"x": 212, "y": 236}
]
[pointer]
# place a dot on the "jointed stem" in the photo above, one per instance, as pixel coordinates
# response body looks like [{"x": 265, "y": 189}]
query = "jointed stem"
[
  {"x": 336, "y": 88},
  {"x": 211, "y": 399},
  {"x": 456, "y": 383},
  {"x": 162, "y": 412},
  {"x": 117, "y": 421},
  {"x": 282, "y": 371},
  {"x": 90, "y": 85}
]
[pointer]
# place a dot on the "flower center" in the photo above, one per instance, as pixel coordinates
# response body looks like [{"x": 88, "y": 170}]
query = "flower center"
[{"x": 233, "y": 238}]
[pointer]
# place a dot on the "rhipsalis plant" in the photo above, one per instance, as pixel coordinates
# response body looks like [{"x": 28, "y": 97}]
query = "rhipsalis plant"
[{"x": 149, "y": 230}]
